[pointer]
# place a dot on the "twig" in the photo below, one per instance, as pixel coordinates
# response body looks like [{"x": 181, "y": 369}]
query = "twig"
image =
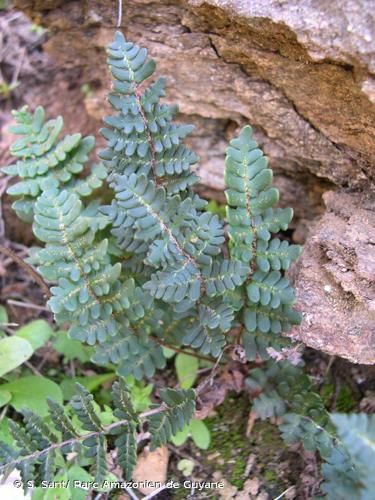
[
  {"x": 284, "y": 493},
  {"x": 332, "y": 359},
  {"x": 33, "y": 369},
  {"x": 119, "y": 19},
  {"x": 3, "y": 413},
  {"x": 18, "y": 68},
  {"x": 214, "y": 368},
  {"x": 27, "y": 305},
  {"x": 154, "y": 493},
  {"x": 184, "y": 455},
  {"x": 36, "y": 276},
  {"x": 131, "y": 493}
]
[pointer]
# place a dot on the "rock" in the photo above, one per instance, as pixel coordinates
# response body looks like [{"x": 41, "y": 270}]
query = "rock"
[
  {"x": 336, "y": 280},
  {"x": 301, "y": 72}
]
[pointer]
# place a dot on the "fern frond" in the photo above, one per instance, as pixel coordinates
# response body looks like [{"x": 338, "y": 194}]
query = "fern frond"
[
  {"x": 132, "y": 355},
  {"x": 123, "y": 406},
  {"x": 276, "y": 255},
  {"x": 150, "y": 166},
  {"x": 292, "y": 386},
  {"x": 207, "y": 340},
  {"x": 256, "y": 344},
  {"x": 82, "y": 405},
  {"x": 46, "y": 159},
  {"x": 270, "y": 289},
  {"x": 178, "y": 412},
  {"x": 349, "y": 472},
  {"x": 126, "y": 444},
  {"x": 224, "y": 275},
  {"x": 38, "y": 451},
  {"x": 249, "y": 192},
  {"x": 88, "y": 292},
  {"x": 266, "y": 320}
]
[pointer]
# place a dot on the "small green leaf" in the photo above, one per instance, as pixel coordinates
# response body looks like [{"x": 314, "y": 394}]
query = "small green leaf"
[
  {"x": 3, "y": 319},
  {"x": 186, "y": 466},
  {"x": 77, "y": 473},
  {"x": 37, "y": 333},
  {"x": 181, "y": 437},
  {"x": 4, "y": 397},
  {"x": 32, "y": 393},
  {"x": 168, "y": 353},
  {"x": 71, "y": 349},
  {"x": 13, "y": 352},
  {"x": 200, "y": 434},
  {"x": 5, "y": 434},
  {"x": 187, "y": 369}
]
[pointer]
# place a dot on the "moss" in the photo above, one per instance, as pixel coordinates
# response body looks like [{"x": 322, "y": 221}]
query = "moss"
[
  {"x": 345, "y": 402},
  {"x": 216, "y": 208},
  {"x": 270, "y": 476},
  {"x": 228, "y": 438},
  {"x": 326, "y": 394}
]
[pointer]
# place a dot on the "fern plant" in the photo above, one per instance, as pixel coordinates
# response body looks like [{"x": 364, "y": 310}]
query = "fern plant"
[
  {"x": 41, "y": 445},
  {"x": 153, "y": 268},
  {"x": 345, "y": 442}
]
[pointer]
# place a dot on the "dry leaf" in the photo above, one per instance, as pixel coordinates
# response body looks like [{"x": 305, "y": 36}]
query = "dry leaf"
[{"x": 151, "y": 466}]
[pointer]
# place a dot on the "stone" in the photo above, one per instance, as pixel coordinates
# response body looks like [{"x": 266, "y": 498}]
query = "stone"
[{"x": 335, "y": 280}]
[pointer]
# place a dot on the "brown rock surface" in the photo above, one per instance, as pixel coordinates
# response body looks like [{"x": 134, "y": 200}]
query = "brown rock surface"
[
  {"x": 336, "y": 280},
  {"x": 300, "y": 71}
]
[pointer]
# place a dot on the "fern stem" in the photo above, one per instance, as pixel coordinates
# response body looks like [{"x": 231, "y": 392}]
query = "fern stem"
[
  {"x": 57, "y": 446},
  {"x": 148, "y": 133},
  {"x": 182, "y": 351},
  {"x": 254, "y": 243},
  {"x": 137, "y": 94},
  {"x": 35, "y": 275}
]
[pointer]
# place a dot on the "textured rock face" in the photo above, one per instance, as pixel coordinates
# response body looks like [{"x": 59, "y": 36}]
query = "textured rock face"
[
  {"x": 301, "y": 72},
  {"x": 336, "y": 280}
]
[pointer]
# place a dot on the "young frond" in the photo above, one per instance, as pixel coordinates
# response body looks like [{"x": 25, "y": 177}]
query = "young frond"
[
  {"x": 179, "y": 408},
  {"x": 44, "y": 158}
]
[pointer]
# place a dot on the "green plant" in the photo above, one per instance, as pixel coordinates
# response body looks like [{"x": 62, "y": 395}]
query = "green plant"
[
  {"x": 351, "y": 474},
  {"x": 15, "y": 350},
  {"x": 346, "y": 443},
  {"x": 147, "y": 271},
  {"x": 199, "y": 433},
  {"x": 40, "y": 449},
  {"x": 6, "y": 88}
]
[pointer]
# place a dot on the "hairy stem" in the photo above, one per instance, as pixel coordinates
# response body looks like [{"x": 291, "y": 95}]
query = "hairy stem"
[
  {"x": 57, "y": 446},
  {"x": 182, "y": 351}
]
